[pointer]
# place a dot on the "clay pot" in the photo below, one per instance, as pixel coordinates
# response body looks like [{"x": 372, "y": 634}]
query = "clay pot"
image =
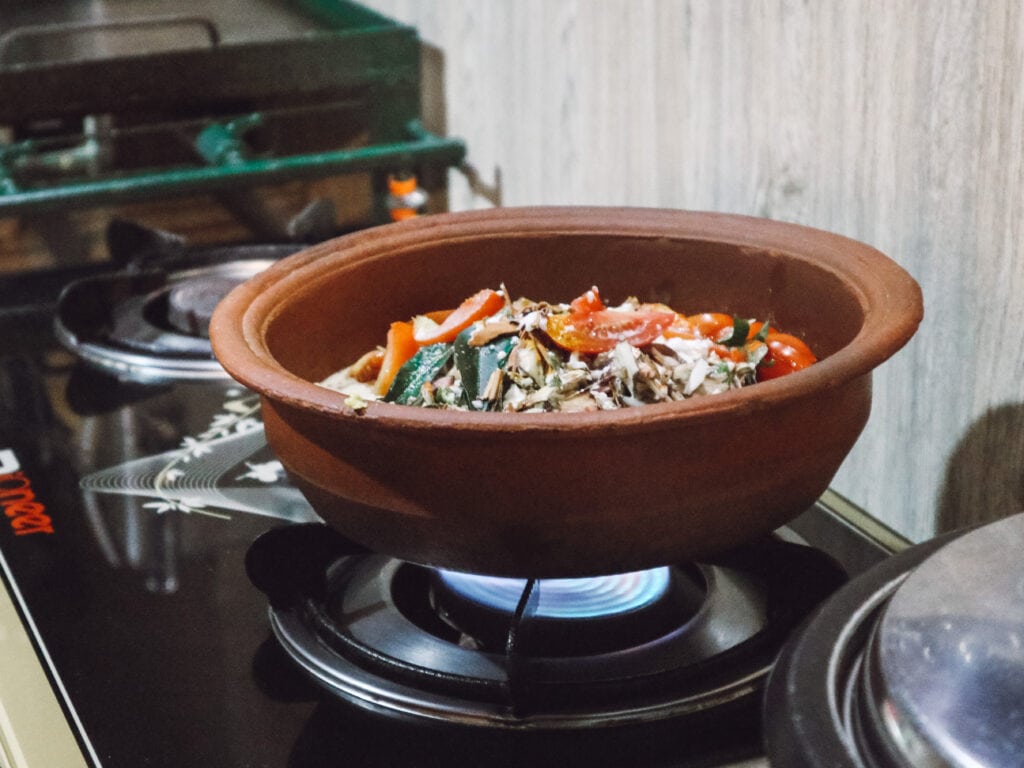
[{"x": 551, "y": 494}]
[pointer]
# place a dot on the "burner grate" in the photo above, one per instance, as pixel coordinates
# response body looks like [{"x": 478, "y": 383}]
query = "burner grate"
[
  {"x": 148, "y": 323},
  {"x": 377, "y": 637}
]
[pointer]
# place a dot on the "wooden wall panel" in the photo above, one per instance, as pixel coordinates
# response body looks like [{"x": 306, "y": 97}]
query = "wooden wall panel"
[{"x": 897, "y": 123}]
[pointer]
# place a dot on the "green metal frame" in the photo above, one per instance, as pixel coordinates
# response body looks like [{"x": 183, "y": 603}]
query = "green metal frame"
[
  {"x": 357, "y": 50},
  {"x": 419, "y": 148}
]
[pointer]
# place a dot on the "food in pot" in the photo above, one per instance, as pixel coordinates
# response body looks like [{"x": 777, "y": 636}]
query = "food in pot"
[{"x": 494, "y": 354}]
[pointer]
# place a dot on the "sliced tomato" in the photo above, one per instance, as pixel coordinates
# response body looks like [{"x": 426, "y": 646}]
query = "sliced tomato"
[
  {"x": 600, "y": 331},
  {"x": 401, "y": 346},
  {"x": 681, "y": 328},
  {"x": 786, "y": 354},
  {"x": 478, "y": 306}
]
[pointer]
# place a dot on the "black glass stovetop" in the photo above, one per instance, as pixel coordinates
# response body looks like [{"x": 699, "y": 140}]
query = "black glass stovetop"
[{"x": 129, "y": 511}]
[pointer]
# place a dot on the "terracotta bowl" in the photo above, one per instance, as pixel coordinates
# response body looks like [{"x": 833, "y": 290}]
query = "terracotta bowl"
[{"x": 550, "y": 494}]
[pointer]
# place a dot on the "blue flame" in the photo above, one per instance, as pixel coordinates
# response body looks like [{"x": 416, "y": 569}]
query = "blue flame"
[{"x": 591, "y": 597}]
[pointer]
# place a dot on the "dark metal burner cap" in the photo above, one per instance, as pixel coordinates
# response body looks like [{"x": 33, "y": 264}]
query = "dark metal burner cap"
[{"x": 190, "y": 304}]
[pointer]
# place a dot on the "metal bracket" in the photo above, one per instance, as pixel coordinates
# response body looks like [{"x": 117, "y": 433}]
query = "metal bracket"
[{"x": 230, "y": 168}]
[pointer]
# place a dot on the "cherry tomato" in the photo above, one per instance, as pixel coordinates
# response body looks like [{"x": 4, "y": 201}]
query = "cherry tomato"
[
  {"x": 600, "y": 331},
  {"x": 786, "y": 354},
  {"x": 755, "y": 328},
  {"x": 710, "y": 324}
]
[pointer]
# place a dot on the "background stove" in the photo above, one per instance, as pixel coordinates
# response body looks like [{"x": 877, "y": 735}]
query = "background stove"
[{"x": 272, "y": 121}]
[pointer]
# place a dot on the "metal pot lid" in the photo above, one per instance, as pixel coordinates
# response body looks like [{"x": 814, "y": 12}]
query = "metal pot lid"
[{"x": 948, "y": 653}]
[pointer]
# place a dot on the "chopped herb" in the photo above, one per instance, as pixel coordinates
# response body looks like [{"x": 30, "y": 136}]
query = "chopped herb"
[{"x": 740, "y": 331}]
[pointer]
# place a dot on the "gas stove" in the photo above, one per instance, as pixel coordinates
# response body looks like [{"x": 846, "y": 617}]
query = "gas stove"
[{"x": 172, "y": 600}]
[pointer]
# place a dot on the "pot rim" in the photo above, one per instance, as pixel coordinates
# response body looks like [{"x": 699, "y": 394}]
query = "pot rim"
[{"x": 890, "y": 298}]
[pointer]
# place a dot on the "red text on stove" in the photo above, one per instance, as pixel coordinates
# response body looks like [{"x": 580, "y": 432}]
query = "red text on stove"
[{"x": 19, "y": 503}]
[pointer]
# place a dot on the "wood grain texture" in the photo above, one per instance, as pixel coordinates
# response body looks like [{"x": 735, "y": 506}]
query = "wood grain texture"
[{"x": 900, "y": 124}]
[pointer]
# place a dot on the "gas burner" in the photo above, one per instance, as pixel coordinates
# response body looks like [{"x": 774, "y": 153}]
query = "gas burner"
[
  {"x": 149, "y": 326},
  {"x": 571, "y": 616},
  {"x": 919, "y": 661},
  {"x": 540, "y": 655},
  {"x": 383, "y": 638}
]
